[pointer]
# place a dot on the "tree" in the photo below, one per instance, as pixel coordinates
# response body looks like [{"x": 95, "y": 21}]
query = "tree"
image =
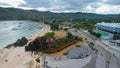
[
  {"x": 81, "y": 39},
  {"x": 70, "y": 35},
  {"x": 49, "y": 34},
  {"x": 66, "y": 29},
  {"x": 91, "y": 44},
  {"x": 98, "y": 35},
  {"x": 54, "y": 26},
  {"x": 95, "y": 34}
]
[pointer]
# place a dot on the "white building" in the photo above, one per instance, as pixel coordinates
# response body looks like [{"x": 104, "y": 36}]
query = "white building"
[{"x": 113, "y": 28}]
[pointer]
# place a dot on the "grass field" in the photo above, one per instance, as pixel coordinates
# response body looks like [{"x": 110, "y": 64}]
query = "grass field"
[{"x": 59, "y": 43}]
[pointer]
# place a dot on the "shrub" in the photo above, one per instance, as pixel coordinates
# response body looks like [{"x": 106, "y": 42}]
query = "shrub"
[
  {"x": 66, "y": 29},
  {"x": 81, "y": 39},
  {"x": 91, "y": 44},
  {"x": 49, "y": 34},
  {"x": 37, "y": 60},
  {"x": 94, "y": 33}
]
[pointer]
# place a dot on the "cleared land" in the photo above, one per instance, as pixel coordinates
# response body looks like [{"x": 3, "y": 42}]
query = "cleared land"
[{"x": 60, "y": 33}]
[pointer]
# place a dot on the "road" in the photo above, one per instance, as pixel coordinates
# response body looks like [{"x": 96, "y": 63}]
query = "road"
[{"x": 105, "y": 59}]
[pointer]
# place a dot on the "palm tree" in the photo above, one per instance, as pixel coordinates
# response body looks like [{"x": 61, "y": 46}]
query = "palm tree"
[{"x": 38, "y": 61}]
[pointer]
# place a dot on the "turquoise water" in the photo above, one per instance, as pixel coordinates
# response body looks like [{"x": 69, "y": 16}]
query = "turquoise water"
[{"x": 10, "y": 31}]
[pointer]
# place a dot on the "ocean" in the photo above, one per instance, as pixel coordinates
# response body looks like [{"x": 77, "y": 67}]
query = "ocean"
[{"x": 10, "y": 31}]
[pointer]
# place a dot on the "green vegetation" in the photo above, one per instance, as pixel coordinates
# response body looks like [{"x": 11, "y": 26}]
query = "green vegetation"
[
  {"x": 116, "y": 36},
  {"x": 59, "y": 42},
  {"x": 38, "y": 61},
  {"x": 66, "y": 29},
  {"x": 49, "y": 34},
  {"x": 91, "y": 19},
  {"x": 75, "y": 38},
  {"x": 81, "y": 39},
  {"x": 19, "y": 14},
  {"x": 91, "y": 44},
  {"x": 96, "y": 51},
  {"x": 101, "y": 32},
  {"x": 48, "y": 42},
  {"x": 95, "y": 34},
  {"x": 69, "y": 36},
  {"x": 54, "y": 26},
  {"x": 78, "y": 19}
]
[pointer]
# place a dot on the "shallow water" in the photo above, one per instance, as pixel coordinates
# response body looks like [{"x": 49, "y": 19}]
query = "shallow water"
[{"x": 10, "y": 31}]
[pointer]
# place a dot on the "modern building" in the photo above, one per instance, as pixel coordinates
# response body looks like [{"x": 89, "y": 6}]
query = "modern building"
[
  {"x": 113, "y": 28},
  {"x": 108, "y": 29}
]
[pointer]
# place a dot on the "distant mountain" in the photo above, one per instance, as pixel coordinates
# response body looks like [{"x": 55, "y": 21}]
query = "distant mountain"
[{"x": 20, "y": 14}]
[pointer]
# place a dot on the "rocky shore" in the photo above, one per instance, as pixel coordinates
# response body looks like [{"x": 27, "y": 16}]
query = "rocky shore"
[
  {"x": 19, "y": 43},
  {"x": 17, "y": 57}
]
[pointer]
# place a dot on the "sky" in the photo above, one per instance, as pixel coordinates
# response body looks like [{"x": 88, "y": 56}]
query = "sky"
[{"x": 90, "y": 6}]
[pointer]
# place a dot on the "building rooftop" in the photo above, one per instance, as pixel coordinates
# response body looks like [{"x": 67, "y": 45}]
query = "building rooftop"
[{"x": 115, "y": 25}]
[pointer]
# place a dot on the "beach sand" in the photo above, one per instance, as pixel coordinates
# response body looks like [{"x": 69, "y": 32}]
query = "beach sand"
[{"x": 18, "y": 57}]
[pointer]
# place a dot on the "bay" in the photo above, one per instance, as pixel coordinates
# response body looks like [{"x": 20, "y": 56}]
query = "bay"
[{"x": 10, "y": 31}]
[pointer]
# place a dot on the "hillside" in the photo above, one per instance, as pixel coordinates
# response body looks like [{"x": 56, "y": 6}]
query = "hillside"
[{"x": 19, "y": 14}]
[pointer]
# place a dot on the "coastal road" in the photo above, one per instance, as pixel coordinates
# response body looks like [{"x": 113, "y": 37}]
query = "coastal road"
[
  {"x": 104, "y": 59},
  {"x": 105, "y": 56}
]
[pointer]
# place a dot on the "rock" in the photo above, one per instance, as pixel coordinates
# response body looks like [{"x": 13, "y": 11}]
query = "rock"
[
  {"x": 17, "y": 43},
  {"x": 79, "y": 52},
  {"x": 24, "y": 41},
  {"x": 40, "y": 44},
  {"x": 20, "y": 42}
]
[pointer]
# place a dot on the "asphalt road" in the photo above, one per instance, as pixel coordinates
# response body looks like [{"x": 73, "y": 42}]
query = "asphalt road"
[{"x": 103, "y": 59}]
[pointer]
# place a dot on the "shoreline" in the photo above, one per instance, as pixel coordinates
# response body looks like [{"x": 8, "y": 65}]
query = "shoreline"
[
  {"x": 45, "y": 28},
  {"x": 38, "y": 33},
  {"x": 32, "y": 36},
  {"x": 17, "y": 57},
  {"x": 27, "y": 35}
]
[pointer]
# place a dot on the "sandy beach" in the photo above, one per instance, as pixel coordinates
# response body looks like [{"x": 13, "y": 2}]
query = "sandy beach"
[
  {"x": 45, "y": 29},
  {"x": 18, "y": 57}
]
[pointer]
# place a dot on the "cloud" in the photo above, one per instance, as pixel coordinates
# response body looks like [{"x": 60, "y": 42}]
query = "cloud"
[
  {"x": 36, "y": 3},
  {"x": 108, "y": 9},
  {"x": 94, "y": 6},
  {"x": 14, "y": 3},
  {"x": 113, "y": 2}
]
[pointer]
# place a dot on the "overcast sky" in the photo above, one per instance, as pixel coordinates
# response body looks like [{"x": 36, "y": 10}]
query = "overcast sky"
[{"x": 91, "y": 6}]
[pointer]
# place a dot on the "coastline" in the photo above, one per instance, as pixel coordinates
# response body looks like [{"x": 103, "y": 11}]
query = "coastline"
[
  {"x": 32, "y": 36},
  {"x": 45, "y": 28},
  {"x": 23, "y": 28},
  {"x": 17, "y": 57},
  {"x": 41, "y": 32}
]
